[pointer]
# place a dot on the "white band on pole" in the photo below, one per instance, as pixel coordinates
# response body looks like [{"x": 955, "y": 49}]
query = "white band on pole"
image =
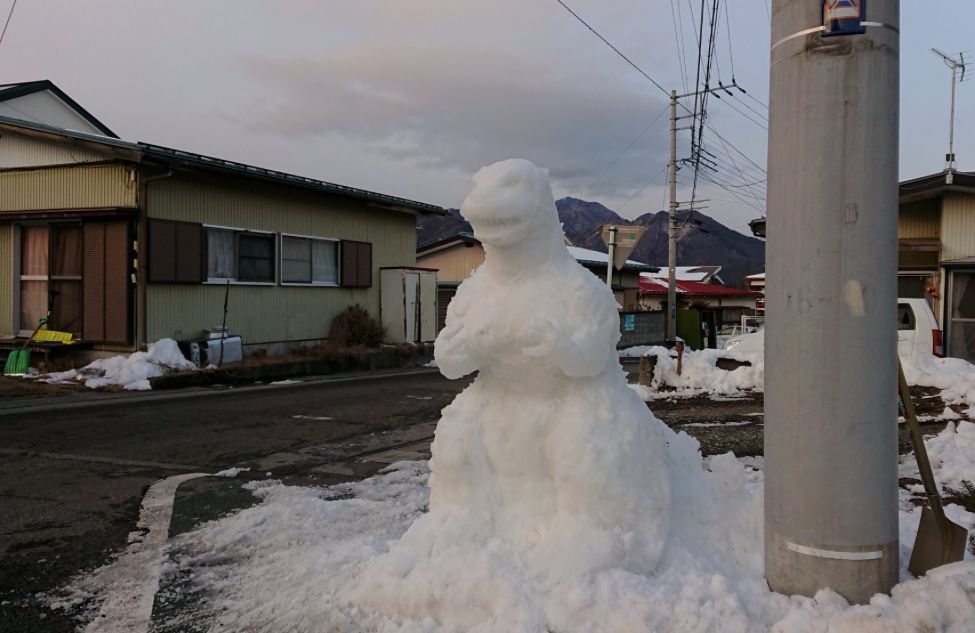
[
  {"x": 835, "y": 554},
  {"x": 817, "y": 29}
]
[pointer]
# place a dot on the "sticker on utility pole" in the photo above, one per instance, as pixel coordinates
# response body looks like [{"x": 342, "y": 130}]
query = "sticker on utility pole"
[{"x": 844, "y": 17}]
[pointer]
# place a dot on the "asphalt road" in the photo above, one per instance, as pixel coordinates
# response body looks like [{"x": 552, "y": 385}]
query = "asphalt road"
[{"x": 73, "y": 474}]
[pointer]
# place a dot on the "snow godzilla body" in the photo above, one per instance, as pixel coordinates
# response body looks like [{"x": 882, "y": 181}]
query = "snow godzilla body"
[{"x": 548, "y": 449}]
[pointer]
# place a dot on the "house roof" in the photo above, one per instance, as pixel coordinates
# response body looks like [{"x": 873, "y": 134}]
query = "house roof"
[
  {"x": 169, "y": 158},
  {"x": 656, "y": 286},
  {"x": 22, "y": 89},
  {"x": 934, "y": 185},
  {"x": 581, "y": 255},
  {"x": 703, "y": 274}
]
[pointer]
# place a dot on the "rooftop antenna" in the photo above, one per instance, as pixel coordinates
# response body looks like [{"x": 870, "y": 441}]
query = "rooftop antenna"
[{"x": 955, "y": 65}]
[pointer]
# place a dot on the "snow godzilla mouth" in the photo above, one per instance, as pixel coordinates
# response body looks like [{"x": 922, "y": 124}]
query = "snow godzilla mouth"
[{"x": 498, "y": 223}]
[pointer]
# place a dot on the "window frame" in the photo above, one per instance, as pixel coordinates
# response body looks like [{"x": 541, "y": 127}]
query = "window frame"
[
  {"x": 312, "y": 283},
  {"x": 233, "y": 281}
]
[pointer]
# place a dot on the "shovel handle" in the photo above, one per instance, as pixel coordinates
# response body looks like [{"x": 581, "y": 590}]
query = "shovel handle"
[{"x": 920, "y": 452}]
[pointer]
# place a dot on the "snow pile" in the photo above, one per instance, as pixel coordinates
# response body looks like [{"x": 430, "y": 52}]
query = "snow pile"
[
  {"x": 952, "y": 455},
  {"x": 131, "y": 372},
  {"x": 284, "y": 565},
  {"x": 700, "y": 373},
  {"x": 955, "y": 377}
]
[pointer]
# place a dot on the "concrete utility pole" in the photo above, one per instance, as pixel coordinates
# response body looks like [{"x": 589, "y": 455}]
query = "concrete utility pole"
[
  {"x": 672, "y": 226},
  {"x": 610, "y": 256},
  {"x": 831, "y": 338},
  {"x": 674, "y": 204}
]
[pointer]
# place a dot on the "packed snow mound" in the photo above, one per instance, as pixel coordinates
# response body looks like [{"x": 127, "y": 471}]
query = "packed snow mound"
[
  {"x": 955, "y": 377},
  {"x": 284, "y": 564},
  {"x": 700, "y": 373},
  {"x": 952, "y": 455},
  {"x": 131, "y": 372}
]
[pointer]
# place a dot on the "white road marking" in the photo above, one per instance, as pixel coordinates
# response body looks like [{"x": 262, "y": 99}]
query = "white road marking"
[
  {"x": 311, "y": 417},
  {"x": 131, "y": 582}
]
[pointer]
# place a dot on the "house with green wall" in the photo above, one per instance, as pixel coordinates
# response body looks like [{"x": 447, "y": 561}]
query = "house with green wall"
[{"x": 125, "y": 243}]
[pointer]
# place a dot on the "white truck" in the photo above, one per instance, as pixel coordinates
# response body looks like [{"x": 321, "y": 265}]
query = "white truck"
[{"x": 917, "y": 333}]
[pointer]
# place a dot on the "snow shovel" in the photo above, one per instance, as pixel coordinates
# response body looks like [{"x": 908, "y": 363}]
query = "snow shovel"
[
  {"x": 19, "y": 360},
  {"x": 939, "y": 541}
]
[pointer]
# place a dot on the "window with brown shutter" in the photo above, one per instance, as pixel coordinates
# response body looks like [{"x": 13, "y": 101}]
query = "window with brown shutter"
[
  {"x": 106, "y": 287},
  {"x": 356, "y": 264},
  {"x": 176, "y": 252}
]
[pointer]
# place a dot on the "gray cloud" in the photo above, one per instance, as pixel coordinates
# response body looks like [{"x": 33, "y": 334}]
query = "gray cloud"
[{"x": 466, "y": 108}]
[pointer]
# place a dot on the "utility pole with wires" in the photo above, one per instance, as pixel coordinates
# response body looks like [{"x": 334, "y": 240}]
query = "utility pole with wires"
[
  {"x": 957, "y": 67},
  {"x": 673, "y": 222}
]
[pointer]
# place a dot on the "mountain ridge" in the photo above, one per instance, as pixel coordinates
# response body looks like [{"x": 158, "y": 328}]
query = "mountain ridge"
[{"x": 703, "y": 241}]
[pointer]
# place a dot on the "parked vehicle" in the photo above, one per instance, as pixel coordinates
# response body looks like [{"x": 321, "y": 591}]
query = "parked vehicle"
[
  {"x": 917, "y": 333},
  {"x": 731, "y": 331}
]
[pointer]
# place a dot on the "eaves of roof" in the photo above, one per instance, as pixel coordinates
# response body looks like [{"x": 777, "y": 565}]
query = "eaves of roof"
[
  {"x": 177, "y": 159},
  {"x": 12, "y": 91}
]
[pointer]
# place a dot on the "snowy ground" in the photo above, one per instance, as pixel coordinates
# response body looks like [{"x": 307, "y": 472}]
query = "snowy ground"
[
  {"x": 131, "y": 372},
  {"x": 286, "y": 565},
  {"x": 954, "y": 377}
]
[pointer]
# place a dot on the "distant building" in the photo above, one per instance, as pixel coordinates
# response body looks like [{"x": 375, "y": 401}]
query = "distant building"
[
  {"x": 455, "y": 258},
  {"x": 124, "y": 243},
  {"x": 700, "y": 274},
  {"x": 728, "y": 304},
  {"x": 936, "y": 252},
  {"x": 756, "y": 282}
]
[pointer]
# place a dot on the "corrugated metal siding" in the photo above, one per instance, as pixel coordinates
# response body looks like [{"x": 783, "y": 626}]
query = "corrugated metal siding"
[
  {"x": 454, "y": 264},
  {"x": 75, "y": 187},
  {"x": 265, "y": 313},
  {"x": 958, "y": 226},
  {"x": 20, "y": 151},
  {"x": 919, "y": 219},
  {"x": 7, "y": 251}
]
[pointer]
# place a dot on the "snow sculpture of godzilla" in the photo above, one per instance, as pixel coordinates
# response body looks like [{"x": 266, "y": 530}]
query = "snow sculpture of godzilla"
[{"x": 548, "y": 448}]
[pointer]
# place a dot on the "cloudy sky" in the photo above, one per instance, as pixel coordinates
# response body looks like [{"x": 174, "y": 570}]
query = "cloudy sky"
[{"x": 409, "y": 97}]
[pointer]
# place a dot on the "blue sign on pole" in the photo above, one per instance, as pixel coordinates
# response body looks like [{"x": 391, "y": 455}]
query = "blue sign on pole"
[
  {"x": 844, "y": 17},
  {"x": 629, "y": 323}
]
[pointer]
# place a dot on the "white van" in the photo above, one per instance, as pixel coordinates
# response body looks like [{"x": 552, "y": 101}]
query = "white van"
[{"x": 917, "y": 333}]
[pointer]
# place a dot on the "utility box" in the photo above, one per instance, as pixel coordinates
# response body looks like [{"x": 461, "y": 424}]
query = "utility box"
[{"x": 408, "y": 304}]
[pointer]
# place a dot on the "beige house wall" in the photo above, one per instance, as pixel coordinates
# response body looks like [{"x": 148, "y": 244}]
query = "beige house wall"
[
  {"x": 454, "y": 264},
  {"x": 7, "y": 269},
  {"x": 957, "y": 226},
  {"x": 275, "y": 313},
  {"x": 101, "y": 186}
]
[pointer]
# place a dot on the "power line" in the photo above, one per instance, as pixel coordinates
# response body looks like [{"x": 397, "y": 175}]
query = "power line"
[
  {"x": 632, "y": 143},
  {"x": 678, "y": 42},
  {"x": 616, "y": 50},
  {"x": 7, "y": 22}
]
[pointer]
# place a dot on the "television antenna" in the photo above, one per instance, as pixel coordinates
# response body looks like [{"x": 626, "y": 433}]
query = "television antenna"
[{"x": 957, "y": 66}]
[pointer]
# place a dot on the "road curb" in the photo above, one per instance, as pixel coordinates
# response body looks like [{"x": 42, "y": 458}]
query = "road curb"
[{"x": 272, "y": 370}]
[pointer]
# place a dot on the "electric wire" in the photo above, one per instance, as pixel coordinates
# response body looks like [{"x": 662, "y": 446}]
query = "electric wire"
[
  {"x": 627, "y": 149},
  {"x": 616, "y": 50},
  {"x": 6, "y": 22}
]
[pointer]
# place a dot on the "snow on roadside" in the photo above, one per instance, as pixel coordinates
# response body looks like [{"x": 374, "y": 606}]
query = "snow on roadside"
[
  {"x": 699, "y": 373},
  {"x": 955, "y": 377},
  {"x": 286, "y": 565},
  {"x": 952, "y": 455},
  {"x": 131, "y": 372}
]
